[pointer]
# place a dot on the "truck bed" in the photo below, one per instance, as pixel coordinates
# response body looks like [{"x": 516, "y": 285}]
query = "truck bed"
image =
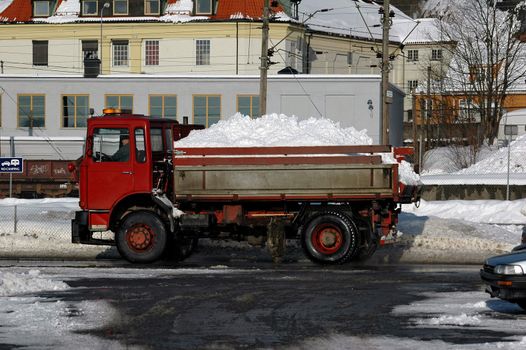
[{"x": 283, "y": 173}]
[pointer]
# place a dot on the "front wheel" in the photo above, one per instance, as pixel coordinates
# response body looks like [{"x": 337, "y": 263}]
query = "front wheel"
[
  {"x": 330, "y": 238},
  {"x": 142, "y": 237}
]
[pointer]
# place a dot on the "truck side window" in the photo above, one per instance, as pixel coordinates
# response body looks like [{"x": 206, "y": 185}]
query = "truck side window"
[
  {"x": 169, "y": 140},
  {"x": 140, "y": 145},
  {"x": 157, "y": 139},
  {"x": 111, "y": 145}
]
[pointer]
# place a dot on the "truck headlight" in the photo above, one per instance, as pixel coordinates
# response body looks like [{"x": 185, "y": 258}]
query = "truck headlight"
[{"x": 508, "y": 270}]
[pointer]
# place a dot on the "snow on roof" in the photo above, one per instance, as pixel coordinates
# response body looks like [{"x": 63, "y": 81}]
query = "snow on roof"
[
  {"x": 361, "y": 19},
  {"x": 181, "y": 7},
  {"x": 4, "y": 4}
]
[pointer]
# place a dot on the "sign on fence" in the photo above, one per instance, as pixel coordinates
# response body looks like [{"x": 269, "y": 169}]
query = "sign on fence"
[{"x": 11, "y": 165}]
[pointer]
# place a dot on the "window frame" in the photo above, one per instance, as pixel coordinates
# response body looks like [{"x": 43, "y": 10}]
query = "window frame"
[
  {"x": 75, "y": 106},
  {"x": 84, "y": 43},
  {"x": 207, "y": 121},
  {"x": 114, "y": 59},
  {"x": 412, "y": 84},
  {"x": 41, "y": 2},
  {"x": 115, "y": 13},
  {"x": 412, "y": 55},
  {"x": 163, "y": 105},
  {"x": 120, "y": 96},
  {"x": 436, "y": 55},
  {"x": 84, "y": 13},
  {"x": 252, "y": 104},
  {"x": 149, "y": 52},
  {"x": 39, "y": 44},
  {"x": 152, "y": 13},
  {"x": 200, "y": 51},
  {"x": 210, "y": 2},
  {"x": 32, "y": 96}
]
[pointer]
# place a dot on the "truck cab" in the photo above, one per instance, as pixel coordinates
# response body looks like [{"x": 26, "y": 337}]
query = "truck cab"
[{"x": 126, "y": 163}]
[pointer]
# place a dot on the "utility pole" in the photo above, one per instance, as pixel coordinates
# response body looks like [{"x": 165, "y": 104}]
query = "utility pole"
[
  {"x": 263, "y": 69},
  {"x": 386, "y": 23}
]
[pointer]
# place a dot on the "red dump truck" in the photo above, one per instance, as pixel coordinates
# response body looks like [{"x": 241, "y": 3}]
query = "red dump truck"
[{"x": 339, "y": 201}]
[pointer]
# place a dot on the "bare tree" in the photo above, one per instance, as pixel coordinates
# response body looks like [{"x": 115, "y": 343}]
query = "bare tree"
[{"x": 485, "y": 64}]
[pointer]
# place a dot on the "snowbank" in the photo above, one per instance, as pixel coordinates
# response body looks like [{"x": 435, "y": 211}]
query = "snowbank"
[
  {"x": 282, "y": 130},
  {"x": 32, "y": 281},
  {"x": 498, "y": 161}
]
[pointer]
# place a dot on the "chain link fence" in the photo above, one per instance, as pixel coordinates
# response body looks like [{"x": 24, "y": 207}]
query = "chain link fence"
[{"x": 43, "y": 231}]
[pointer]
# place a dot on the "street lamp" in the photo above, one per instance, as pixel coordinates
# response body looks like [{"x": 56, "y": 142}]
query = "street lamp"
[{"x": 105, "y": 6}]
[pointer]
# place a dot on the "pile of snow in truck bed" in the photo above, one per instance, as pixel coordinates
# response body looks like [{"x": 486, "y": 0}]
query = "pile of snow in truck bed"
[{"x": 282, "y": 130}]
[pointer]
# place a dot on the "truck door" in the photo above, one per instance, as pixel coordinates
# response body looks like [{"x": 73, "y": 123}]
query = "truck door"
[{"x": 110, "y": 172}]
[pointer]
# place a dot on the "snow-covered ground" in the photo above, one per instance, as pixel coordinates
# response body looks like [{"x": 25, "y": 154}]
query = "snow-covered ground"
[{"x": 34, "y": 322}]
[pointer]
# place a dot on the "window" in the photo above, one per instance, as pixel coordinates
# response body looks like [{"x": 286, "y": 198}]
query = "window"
[
  {"x": 412, "y": 85},
  {"x": 203, "y": 7},
  {"x": 90, "y": 8},
  {"x": 120, "y": 7},
  {"x": 436, "y": 55},
  {"x": 41, "y": 8},
  {"x": 151, "y": 7},
  {"x": 248, "y": 105},
  {"x": 412, "y": 55},
  {"x": 31, "y": 111},
  {"x": 40, "y": 54},
  {"x": 75, "y": 111},
  {"x": 157, "y": 139},
  {"x": 202, "y": 52},
  {"x": 152, "y": 52},
  {"x": 207, "y": 109},
  {"x": 123, "y": 102},
  {"x": 140, "y": 145},
  {"x": 111, "y": 145},
  {"x": 120, "y": 53},
  {"x": 163, "y": 106},
  {"x": 90, "y": 48}
]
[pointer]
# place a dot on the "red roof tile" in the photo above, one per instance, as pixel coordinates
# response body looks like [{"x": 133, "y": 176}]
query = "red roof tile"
[
  {"x": 247, "y": 8},
  {"x": 21, "y": 10},
  {"x": 18, "y": 11}
]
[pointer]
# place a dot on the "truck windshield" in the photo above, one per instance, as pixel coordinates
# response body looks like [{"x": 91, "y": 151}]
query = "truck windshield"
[{"x": 111, "y": 145}]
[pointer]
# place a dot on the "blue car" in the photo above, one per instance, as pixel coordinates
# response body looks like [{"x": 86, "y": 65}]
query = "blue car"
[{"x": 505, "y": 275}]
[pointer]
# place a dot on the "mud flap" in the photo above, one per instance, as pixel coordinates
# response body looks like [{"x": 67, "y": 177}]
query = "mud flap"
[{"x": 276, "y": 239}]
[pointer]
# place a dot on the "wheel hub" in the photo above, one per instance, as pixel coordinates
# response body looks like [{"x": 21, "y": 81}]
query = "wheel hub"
[
  {"x": 327, "y": 239},
  {"x": 139, "y": 237}
]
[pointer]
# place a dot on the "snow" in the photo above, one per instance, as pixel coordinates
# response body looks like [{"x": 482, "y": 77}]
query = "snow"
[
  {"x": 180, "y": 7},
  {"x": 361, "y": 18},
  {"x": 4, "y": 4},
  {"x": 491, "y": 167},
  {"x": 282, "y": 130},
  {"x": 29, "y": 282}
]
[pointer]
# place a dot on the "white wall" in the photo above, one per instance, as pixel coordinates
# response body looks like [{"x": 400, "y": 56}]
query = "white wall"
[{"x": 341, "y": 98}]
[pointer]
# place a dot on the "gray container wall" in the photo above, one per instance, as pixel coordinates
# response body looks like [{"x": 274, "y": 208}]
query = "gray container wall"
[{"x": 342, "y": 98}]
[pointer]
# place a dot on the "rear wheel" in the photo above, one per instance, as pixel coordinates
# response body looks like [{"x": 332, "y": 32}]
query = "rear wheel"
[
  {"x": 181, "y": 248},
  {"x": 142, "y": 237},
  {"x": 330, "y": 238}
]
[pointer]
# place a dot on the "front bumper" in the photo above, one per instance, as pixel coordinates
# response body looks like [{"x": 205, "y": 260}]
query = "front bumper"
[
  {"x": 80, "y": 232},
  {"x": 507, "y": 287}
]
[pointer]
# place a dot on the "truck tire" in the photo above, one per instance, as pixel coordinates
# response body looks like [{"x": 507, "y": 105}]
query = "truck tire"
[
  {"x": 182, "y": 248},
  {"x": 330, "y": 238},
  {"x": 142, "y": 237}
]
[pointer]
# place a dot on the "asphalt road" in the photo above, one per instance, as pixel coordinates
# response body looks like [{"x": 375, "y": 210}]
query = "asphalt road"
[{"x": 239, "y": 304}]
